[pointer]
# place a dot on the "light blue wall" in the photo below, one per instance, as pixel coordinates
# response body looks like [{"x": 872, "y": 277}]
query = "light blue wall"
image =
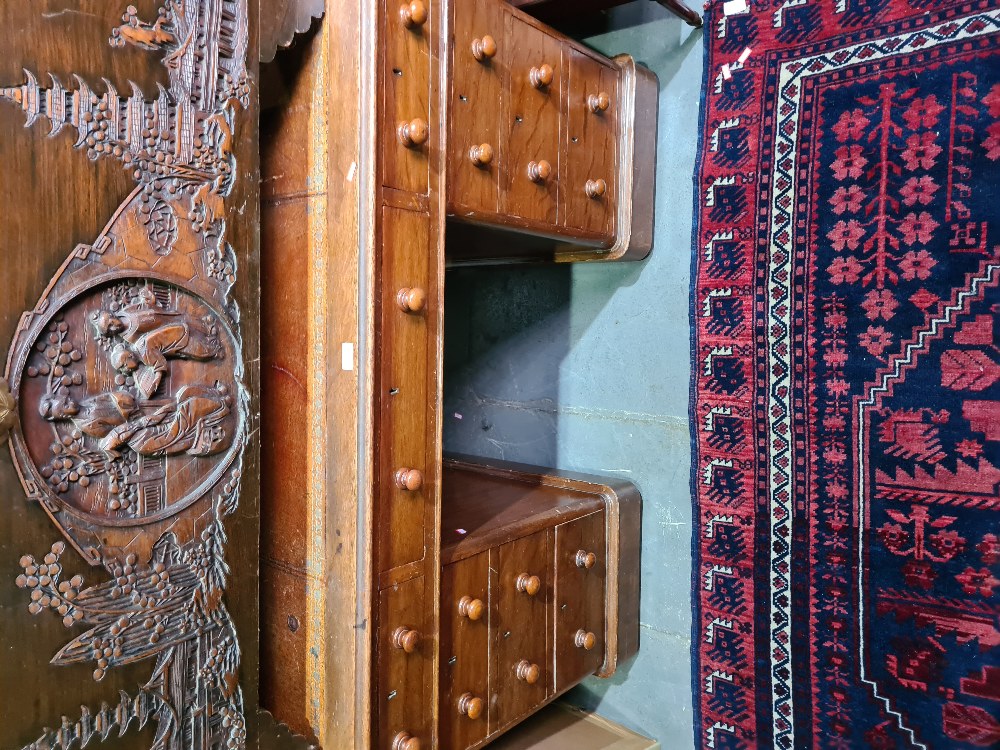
[{"x": 588, "y": 368}]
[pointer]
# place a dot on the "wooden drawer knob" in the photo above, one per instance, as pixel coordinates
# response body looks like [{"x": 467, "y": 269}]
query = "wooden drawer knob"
[
  {"x": 481, "y": 155},
  {"x": 585, "y": 639},
  {"x": 414, "y": 133},
  {"x": 409, "y": 479},
  {"x": 471, "y": 608},
  {"x": 585, "y": 559},
  {"x": 407, "y": 640},
  {"x": 411, "y": 300},
  {"x": 528, "y": 584},
  {"x": 542, "y": 76},
  {"x": 599, "y": 102},
  {"x": 484, "y": 49},
  {"x": 405, "y": 741},
  {"x": 413, "y": 14},
  {"x": 539, "y": 171},
  {"x": 527, "y": 671},
  {"x": 596, "y": 188},
  {"x": 471, "y": 706}
]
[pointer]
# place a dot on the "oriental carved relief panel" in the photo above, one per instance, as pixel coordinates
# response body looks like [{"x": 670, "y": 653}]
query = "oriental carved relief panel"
[{"x": 126, "y": 409}]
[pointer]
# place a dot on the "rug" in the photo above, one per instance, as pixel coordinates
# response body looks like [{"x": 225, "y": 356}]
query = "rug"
[{"x": 846, "y": 394}]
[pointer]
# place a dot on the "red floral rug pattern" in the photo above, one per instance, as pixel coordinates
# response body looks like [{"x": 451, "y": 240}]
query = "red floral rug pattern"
[{"x": 846, "y": 399}]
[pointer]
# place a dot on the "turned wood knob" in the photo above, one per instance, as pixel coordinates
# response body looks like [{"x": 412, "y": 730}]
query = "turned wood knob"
[
  {"x": 539, "y": 171},
  {"x": 471, "y": 608},
  {"x": 409, "y": 479},
  {"x": 406, "y": 639},
  {"x": 596, "y": 188},
  {"x": 413, "y": 14},
  {"x": 411, "y": 300},
  {"x": 542, "y": 76},
  {"x": 585, "y": 639},
  {"x": 481, "y": 155},
  {"x": 414, "y": 133},
  {"x": 585, "y": 559},
  {"x": 484, "y": 49},
  {"x": 528, "y": 584},
  {"x": 405, "y": 741},
  {"x": 471, "y": 706},
  {"x": 527, "y": 671},
  {"x": 599, "y": 102}
]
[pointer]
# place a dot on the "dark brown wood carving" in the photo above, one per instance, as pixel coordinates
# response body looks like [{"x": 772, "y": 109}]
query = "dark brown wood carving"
[{"x": 127, "y": 381}]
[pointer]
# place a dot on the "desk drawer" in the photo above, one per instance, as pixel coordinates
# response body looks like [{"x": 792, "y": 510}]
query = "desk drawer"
[
  {"x": 465, "y": 651},
  {"x": 581, "y": 570},
  {"x": 589, "y": 189},
  {"x": 407, "y": 132},
  {"x": 476, "y": 151},
  {"x": 522, "y": 676},
  {"x": 405, "y": 469},
  {"x": 404, "y": 666},
  {"x": 531, "y": 163}
]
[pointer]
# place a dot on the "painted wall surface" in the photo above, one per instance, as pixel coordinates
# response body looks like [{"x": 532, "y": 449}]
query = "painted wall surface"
[{"x": 588, "y": 368}]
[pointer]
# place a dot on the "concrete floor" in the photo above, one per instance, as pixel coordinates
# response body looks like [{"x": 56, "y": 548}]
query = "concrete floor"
[{"x": 588, "y": 368}]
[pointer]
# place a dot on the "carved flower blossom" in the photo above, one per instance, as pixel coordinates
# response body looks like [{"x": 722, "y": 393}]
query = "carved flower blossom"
[
  {"x": 844, "y": 270},
  {"x": 876, "y": 340},
  {"x": 847, "y": 199},
  {"x": 917, "y": 265},
  {"x": 849, "y": 162},
  {"x": 851, "y": 125},
  {"x": 919, "y": 190},
  {"x": 880, "y": 303},
  {"x": 916, "y": 228},
  {"x": 920, "y": 151},
  {"x": 923, "y": 112},
  {"x": 989, "y": 548},
  {"x": 977, "y": 581},
  {"x": 846, "y": 234}
]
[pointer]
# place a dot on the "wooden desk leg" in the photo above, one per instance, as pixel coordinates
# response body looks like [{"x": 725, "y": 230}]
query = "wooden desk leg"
[{"x": 692, "y": 17}]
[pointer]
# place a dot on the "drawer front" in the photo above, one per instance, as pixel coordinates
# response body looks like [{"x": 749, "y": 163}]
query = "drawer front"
[
  {"x": 405, "y": 368},
  {"x": 465, "y": 651},
  {"x": 591, "y": 146},
  {"x": 404, "y": 666},
  {"x": 533, "y": 123},
  {"x": 522, "y": 675},
  {"x": 479, "y": 61},
  {"x": 579, "y": 598},
  {"x": 406, "y": 90}
]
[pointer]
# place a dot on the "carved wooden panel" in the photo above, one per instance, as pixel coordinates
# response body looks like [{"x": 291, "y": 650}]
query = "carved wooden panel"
[{"x": 128, "y": 380}]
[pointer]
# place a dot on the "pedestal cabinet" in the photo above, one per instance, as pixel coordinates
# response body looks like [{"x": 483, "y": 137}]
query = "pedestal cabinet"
[{"x": 400, "y": 137}]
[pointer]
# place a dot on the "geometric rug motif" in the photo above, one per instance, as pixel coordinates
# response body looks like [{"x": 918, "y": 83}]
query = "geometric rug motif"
[{"x": 845, "y": 406}]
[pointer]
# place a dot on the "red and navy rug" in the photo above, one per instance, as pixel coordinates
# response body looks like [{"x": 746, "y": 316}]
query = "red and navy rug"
[{"x": 846, "y": 395}]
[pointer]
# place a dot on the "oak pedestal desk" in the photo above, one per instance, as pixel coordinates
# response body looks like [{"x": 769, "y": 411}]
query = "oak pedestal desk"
[{"x": 407, "y": 601}]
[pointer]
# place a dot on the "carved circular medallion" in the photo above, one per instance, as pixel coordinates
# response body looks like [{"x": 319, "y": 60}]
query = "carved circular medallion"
[{"x": 128, "y": 402}]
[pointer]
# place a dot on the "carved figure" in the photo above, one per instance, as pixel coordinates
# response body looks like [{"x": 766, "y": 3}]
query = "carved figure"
[
  {"x": 151, "y": 336},
  {"x": 190, "y": 424}
]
